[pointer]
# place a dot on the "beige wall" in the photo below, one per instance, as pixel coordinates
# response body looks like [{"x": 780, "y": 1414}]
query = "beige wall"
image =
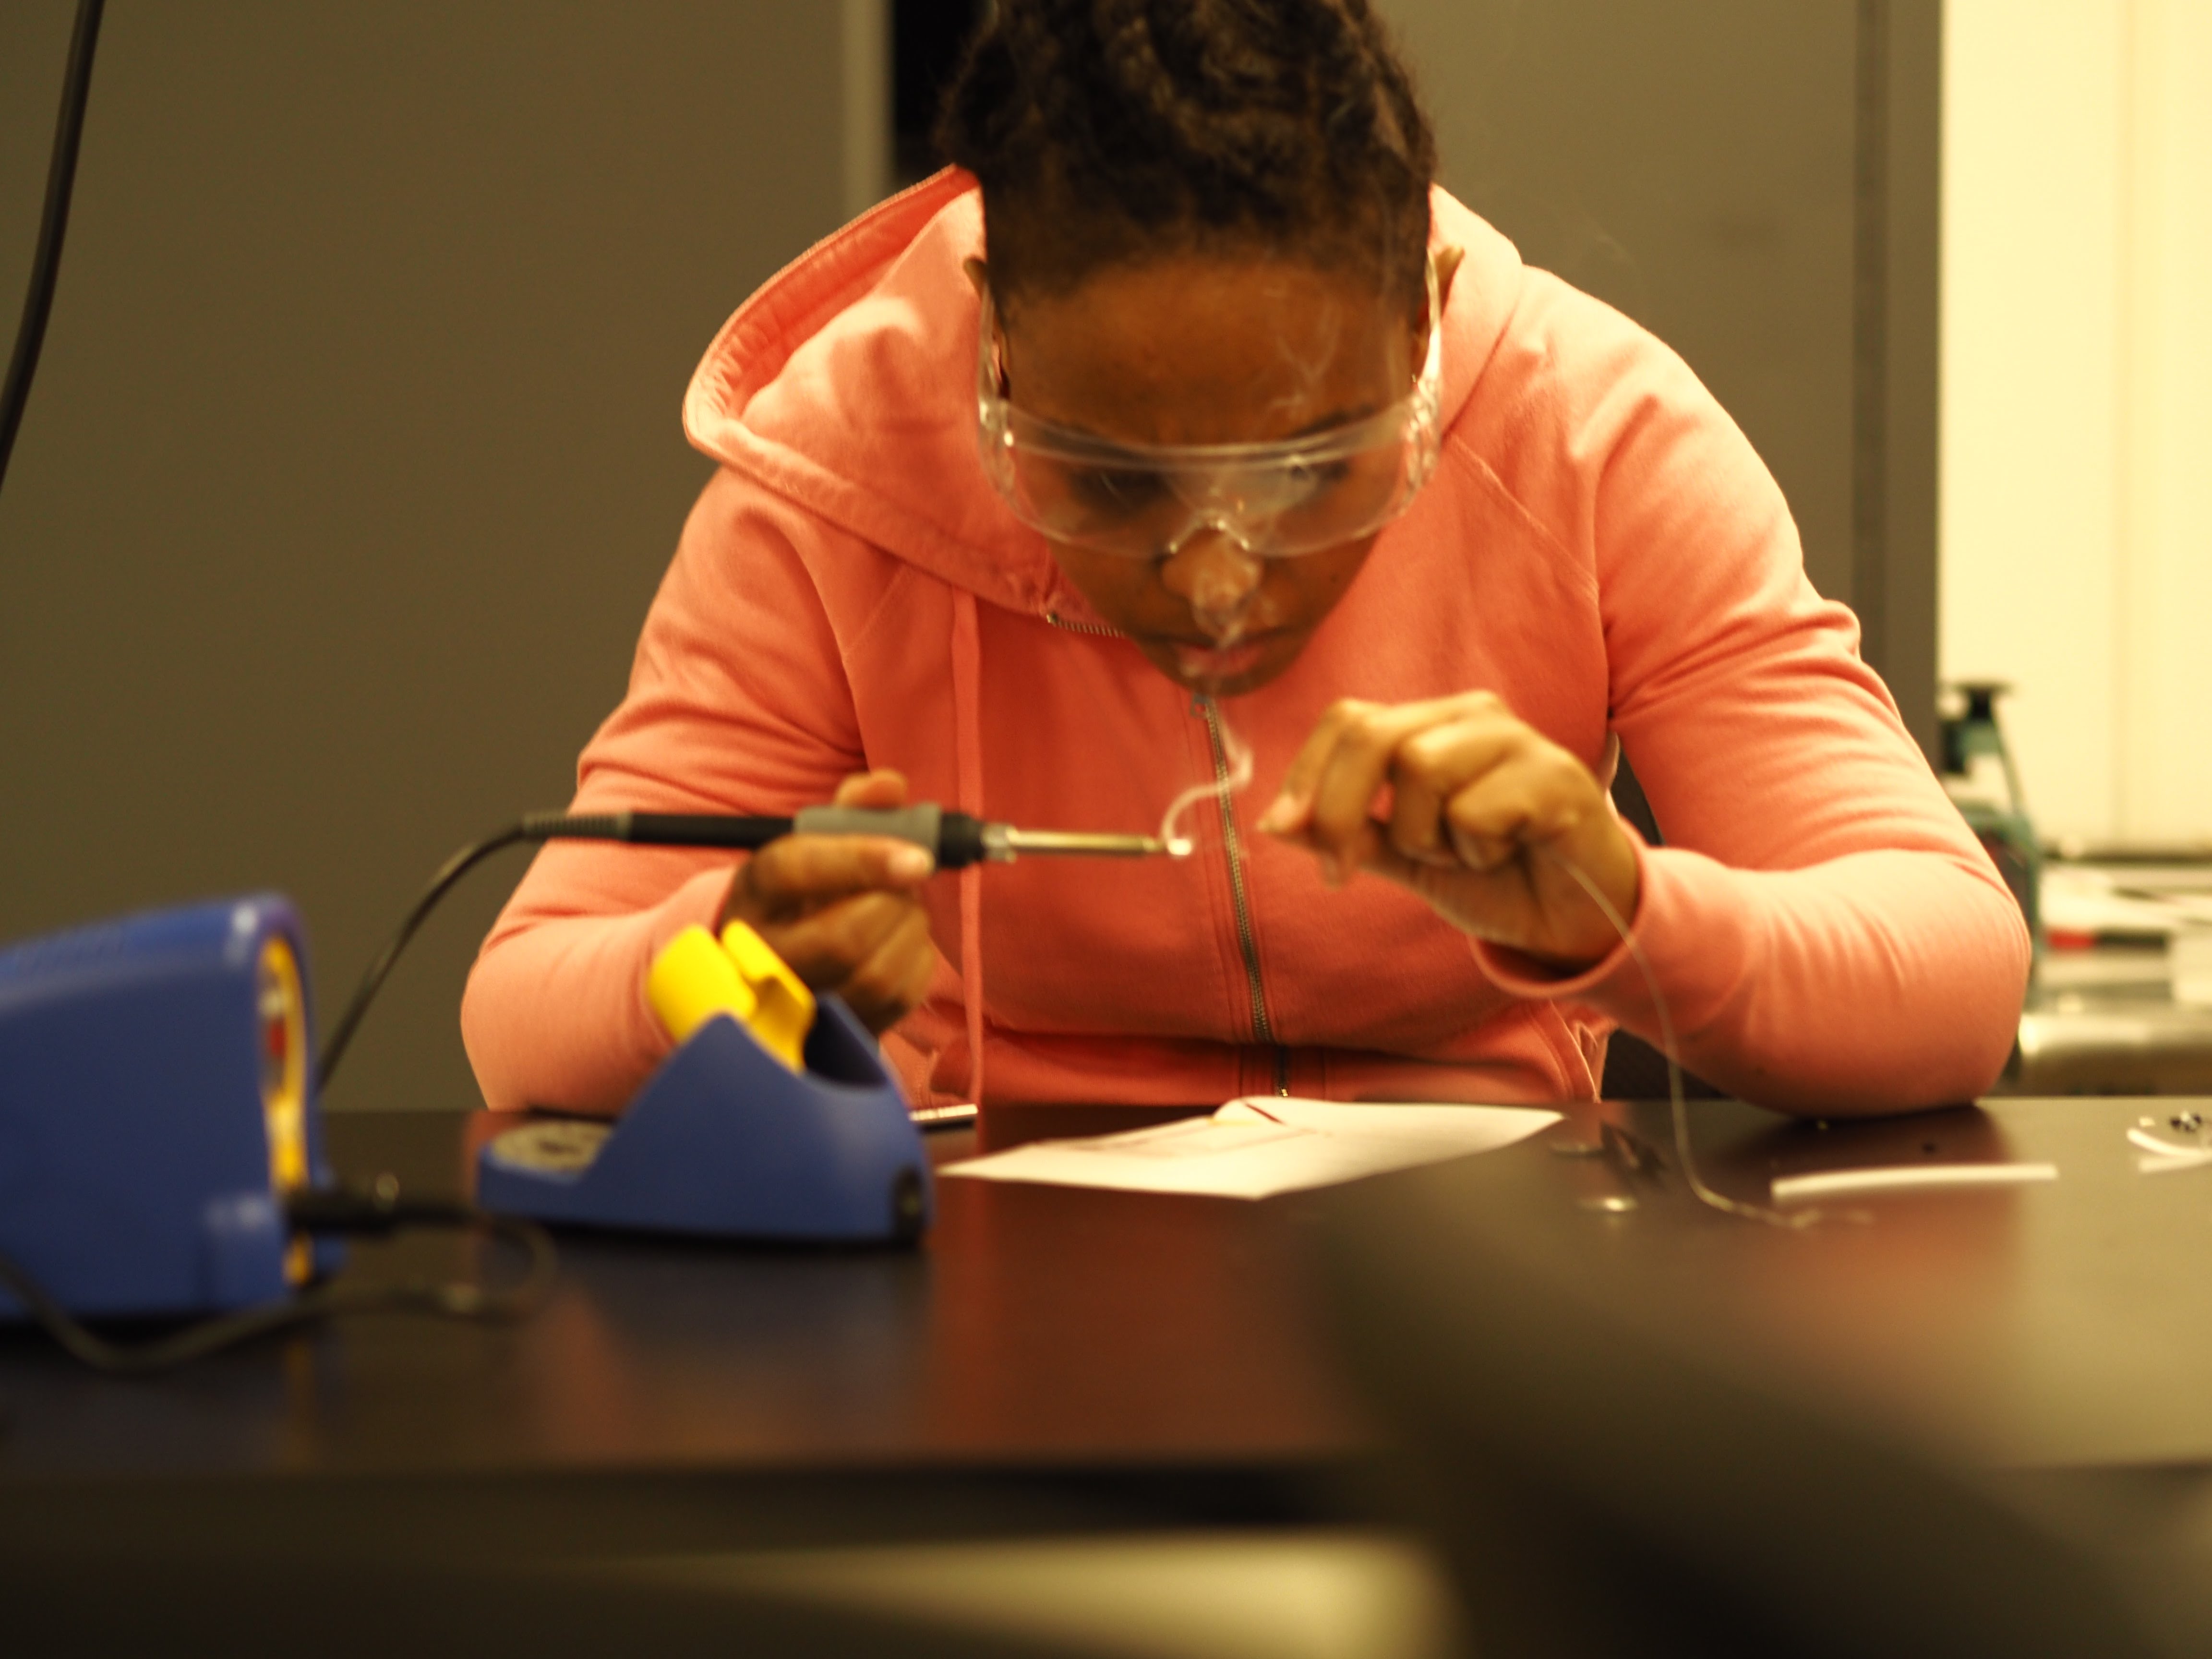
[
  {"x": 2077, "y": 400},
  {"x": 1755, "y": 181},
  {"x": 1690, "y": 166},
  {"x": 354, "y": 457}
]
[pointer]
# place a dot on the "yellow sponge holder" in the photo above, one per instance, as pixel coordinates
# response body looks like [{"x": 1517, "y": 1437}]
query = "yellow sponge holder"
[{"x": 697, "y": 977}]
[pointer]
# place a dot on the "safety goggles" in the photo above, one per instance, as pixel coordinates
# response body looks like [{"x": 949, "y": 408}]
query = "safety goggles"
[{"x": 1276, "y": 500}]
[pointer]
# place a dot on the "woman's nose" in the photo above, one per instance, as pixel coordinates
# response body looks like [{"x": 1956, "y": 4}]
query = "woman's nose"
[{"x": 1217, "y": 575}]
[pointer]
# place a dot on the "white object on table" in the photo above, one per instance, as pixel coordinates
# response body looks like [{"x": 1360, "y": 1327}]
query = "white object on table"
[
  {"x": 2164, "y": 1157},
  {"x": 1907, "y": 1177},
  {"x": 2078, "y": 898},
  {"x": 1257, "y": 1147}
]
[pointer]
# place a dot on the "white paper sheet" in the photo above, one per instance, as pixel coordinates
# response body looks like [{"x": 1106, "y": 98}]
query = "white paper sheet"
[
  {"x": 2091, "y": 899},
  {"x": 1257, "y": 1147}
]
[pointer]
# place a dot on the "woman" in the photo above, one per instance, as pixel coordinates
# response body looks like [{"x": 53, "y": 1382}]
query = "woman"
[{"x": 1279, "y": 442}]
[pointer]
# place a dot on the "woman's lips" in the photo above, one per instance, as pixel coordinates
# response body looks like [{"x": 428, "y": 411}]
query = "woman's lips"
[{"x": 1217, "y": 662}]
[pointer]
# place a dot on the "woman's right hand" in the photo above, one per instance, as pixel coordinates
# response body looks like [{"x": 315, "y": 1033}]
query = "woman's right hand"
[{"x": 845, "y": 911}]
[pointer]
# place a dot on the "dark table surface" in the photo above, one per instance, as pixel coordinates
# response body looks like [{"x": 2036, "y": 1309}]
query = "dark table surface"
[{"x": 1054, "y": 1356}]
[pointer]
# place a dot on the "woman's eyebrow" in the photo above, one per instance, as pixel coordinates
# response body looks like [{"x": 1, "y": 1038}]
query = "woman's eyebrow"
[
  {"x": 1330, "y": 421},
  {"x": 1326, "y": 423}
]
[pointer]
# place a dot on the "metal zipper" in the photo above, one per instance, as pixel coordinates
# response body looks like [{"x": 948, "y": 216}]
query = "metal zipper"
[
  {"x": 1059, "y": 621},
  {"x": 1263, "y": 1029}
]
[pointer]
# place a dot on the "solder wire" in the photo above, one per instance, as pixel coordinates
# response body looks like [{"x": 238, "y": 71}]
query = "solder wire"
[
  {"x": 1239, "y": 774},
  {"x": 1773, "y": 1218}
]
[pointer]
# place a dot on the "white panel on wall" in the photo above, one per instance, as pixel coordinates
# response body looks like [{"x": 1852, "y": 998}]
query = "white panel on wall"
[
  {"x": 2166, "y": 575},
  {"x": 2032, "y": 218},
  {"x": 2076, "y": 556}
]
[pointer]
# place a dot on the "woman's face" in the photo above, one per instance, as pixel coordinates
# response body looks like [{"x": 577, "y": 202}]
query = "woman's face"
[{"x": 1207, "y": 349}]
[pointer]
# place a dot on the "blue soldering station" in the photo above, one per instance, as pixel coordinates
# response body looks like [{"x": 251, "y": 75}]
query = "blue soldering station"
[
  {"x": 159, "y": 1120},
  {"x": 161, "y": 1144},
  {"x": 155, "y": 1110}
]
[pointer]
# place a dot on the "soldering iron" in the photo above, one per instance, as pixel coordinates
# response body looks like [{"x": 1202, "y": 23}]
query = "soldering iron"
[{"x": 955, "y": 839}]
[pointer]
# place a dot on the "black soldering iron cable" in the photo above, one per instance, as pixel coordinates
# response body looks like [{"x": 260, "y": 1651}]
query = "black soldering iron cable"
[
  {"x": 459, "y": 864},
  {"x": 661, "y": 829},
  {"x": 377, "y": 1211},
  {"x": 954, "y": 838},
  {"x": 53, "y": 225}
]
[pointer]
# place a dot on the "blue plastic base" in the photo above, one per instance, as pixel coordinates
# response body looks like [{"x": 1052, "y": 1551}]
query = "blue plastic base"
[
  {"x": 134, "y": 1140},
  {"x": 725, "y": 1140}
]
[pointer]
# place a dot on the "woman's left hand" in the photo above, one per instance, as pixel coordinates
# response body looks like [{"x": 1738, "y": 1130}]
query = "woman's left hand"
[{"x": 1480, "y": 809}]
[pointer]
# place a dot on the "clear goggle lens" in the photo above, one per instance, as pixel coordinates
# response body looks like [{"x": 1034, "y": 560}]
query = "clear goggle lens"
[{"x": 1276, "y": 500}]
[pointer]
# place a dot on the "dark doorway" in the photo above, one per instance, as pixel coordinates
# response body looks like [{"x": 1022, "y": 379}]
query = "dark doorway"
[{"x": 927, "y": 38}]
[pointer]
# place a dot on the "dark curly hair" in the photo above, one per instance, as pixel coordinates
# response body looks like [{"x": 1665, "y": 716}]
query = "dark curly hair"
[{"x": 1104, "y": 131}]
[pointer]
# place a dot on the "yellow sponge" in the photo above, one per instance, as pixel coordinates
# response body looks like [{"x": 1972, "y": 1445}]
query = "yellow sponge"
[
  {"x": 694, "y": 978},
  {"x": 784, "y": 1013}
]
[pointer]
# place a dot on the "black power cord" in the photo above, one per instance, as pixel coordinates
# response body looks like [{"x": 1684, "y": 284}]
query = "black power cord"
[
  {"x": 379, "y": 1210},
  {"x": 954, "y": 838},
  {"x": 459, "y": 864},
  {"x": 53, "y": 224}
]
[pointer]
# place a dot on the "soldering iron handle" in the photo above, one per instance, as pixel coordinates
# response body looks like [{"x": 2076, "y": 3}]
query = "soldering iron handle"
[
  {"x": 704, "y": 830},
  {"x": 658, "y": 828},
  {"x": 954, "y": 838}
]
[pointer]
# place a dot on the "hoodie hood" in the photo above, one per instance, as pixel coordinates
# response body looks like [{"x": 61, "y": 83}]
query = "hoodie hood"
[{"x": 847, "y": 383}]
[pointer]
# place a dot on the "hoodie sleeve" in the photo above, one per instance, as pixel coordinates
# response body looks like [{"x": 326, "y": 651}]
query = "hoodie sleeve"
[
  {"x": 738, "y": 703},
  {"x": 1829, "y": 935}
]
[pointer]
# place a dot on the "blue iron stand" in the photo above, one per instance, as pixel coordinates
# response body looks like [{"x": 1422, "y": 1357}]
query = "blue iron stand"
[{"x": 725, "y": 1140}]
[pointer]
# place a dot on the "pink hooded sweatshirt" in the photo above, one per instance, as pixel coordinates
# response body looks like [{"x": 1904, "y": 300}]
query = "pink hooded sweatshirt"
[{"x": 1599, "y": 546}]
